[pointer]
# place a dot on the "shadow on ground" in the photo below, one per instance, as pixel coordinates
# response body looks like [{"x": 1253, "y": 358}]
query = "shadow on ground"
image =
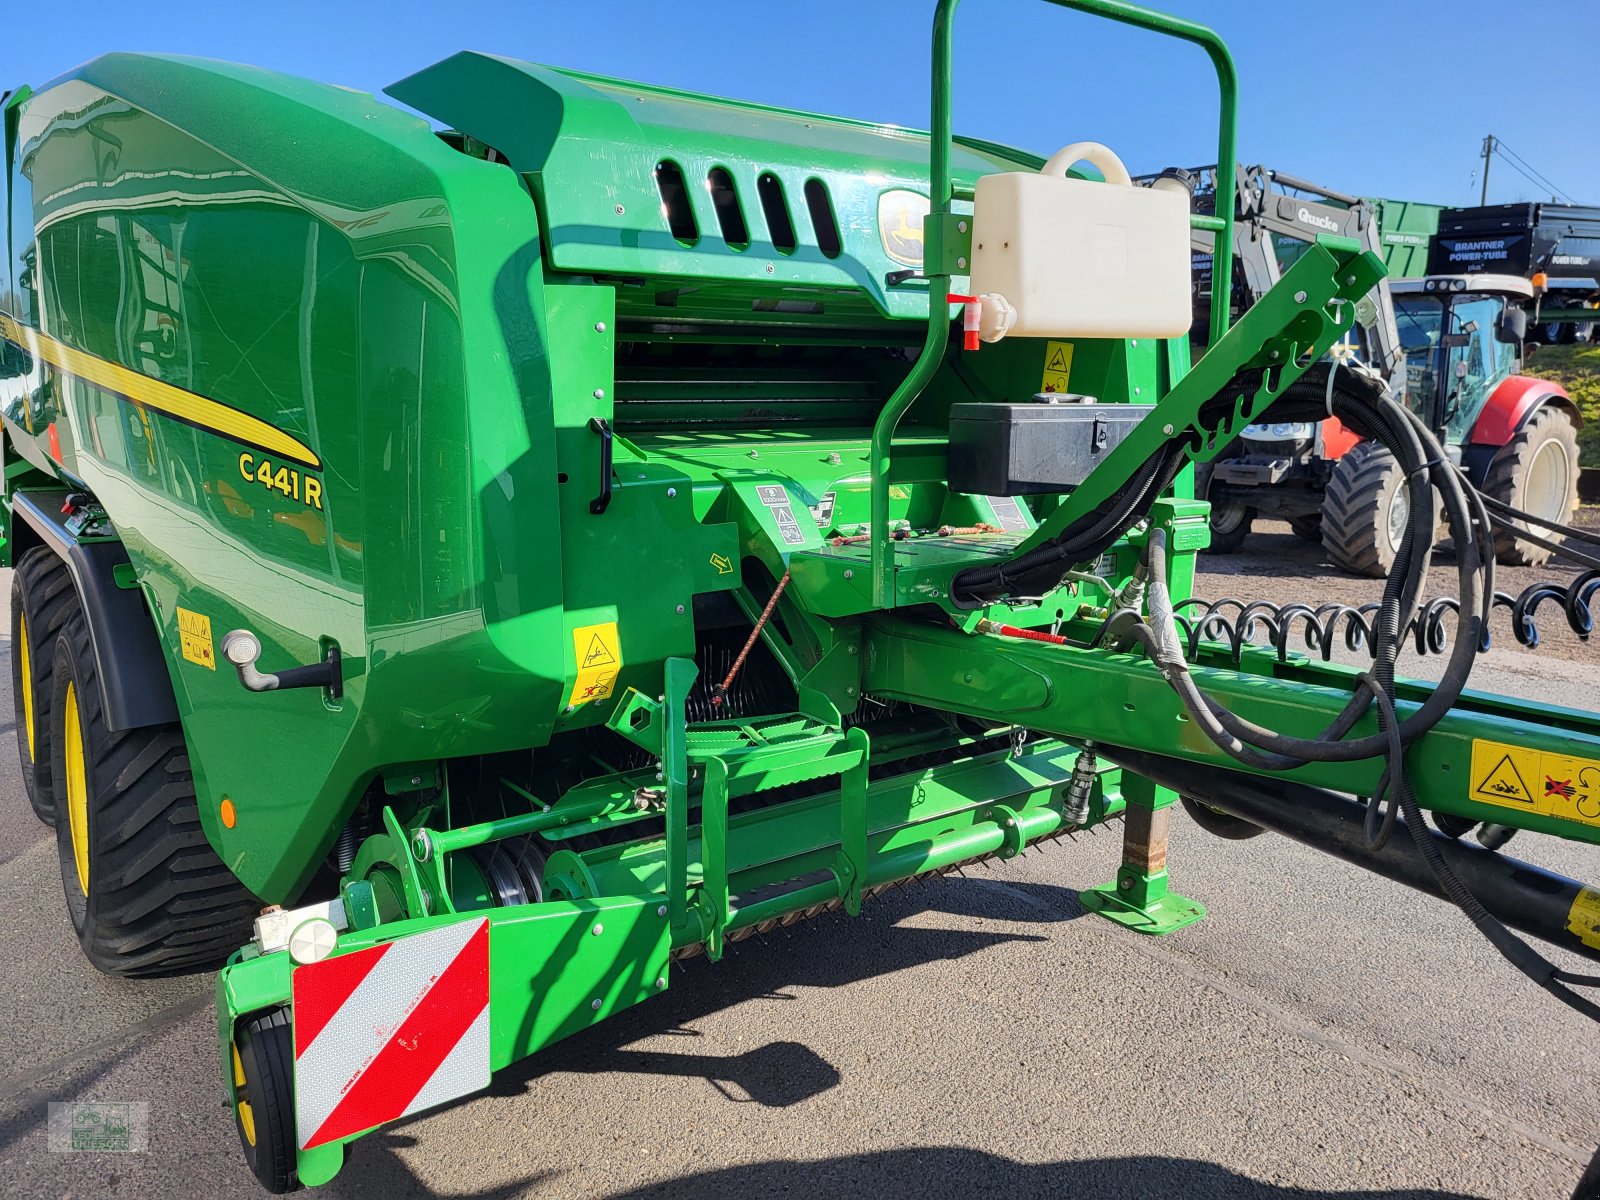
[
  {"x": 826, "y": 952},
  {"x": 917, "y": 1173},
  {"x": 925, "y": 1172}
]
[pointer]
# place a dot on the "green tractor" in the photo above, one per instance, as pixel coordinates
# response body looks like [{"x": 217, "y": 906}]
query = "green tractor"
[{"x": 460, "y": 576}]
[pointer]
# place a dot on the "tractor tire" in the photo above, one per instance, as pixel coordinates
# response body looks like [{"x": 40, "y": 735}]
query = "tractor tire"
[
  {"x": 42, "y": 598},
  {"x": 1230, "y": 525},
  {"x": 1536, "y": 471},
  {"x": 146, "y": 893},
  {"x": 1307, "y": 528},
  {"x": 1365, "y": 510},
  {"x": 263, "y": 1110}
]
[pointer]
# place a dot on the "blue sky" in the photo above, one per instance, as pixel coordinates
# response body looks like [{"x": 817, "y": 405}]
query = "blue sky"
[{"x": 1383, "y": 97}]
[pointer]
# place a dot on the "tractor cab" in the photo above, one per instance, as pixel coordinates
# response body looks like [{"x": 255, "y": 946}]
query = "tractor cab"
[{"x": 1462, "y": 336}]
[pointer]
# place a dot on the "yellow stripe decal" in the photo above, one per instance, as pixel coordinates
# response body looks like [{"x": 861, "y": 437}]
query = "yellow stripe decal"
[{"x": 145, "y": 392}]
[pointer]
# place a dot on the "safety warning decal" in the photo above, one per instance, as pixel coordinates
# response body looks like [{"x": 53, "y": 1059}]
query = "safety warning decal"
[
  {"x": 1008, "y": 512},
  {"x": 599, "y": 658},
  {"x": 1057, "y": 367},
  {"x": 390, "y": 1030},
  {"x": 1536, "y": 781},
  {"x": 822, "y": 511},
  {"x": 1583, "y": 918},
  {"x": 776, "y": 498},
  {"x": 194, "y": 638}
]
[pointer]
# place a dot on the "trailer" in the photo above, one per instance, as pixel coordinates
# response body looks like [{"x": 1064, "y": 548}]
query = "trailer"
[
  {"x": 1407, "y": 229},
  {"x": 459, "y": 576},
  {"x": 1556, "y": 247}
]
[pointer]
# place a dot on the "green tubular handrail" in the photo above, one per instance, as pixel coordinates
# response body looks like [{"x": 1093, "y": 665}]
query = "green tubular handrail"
[{"x": 941, "y": 193}]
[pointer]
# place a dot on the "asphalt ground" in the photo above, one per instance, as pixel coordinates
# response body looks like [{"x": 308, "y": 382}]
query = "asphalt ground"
[{"x": 1323, "y": 1033}]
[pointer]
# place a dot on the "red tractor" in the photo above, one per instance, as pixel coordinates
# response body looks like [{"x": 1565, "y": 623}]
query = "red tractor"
[{"x": 1514, "y": 435}]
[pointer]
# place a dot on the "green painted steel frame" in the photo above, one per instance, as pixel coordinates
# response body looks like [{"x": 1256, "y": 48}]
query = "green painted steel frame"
[
  {"x": 1283, "y": 333},
  {"x": 942, "y": 196},
  {"x": 1043, "y": 687},
  {"x": 555, "y": 968},
  {"x": 605, "y": 942}
]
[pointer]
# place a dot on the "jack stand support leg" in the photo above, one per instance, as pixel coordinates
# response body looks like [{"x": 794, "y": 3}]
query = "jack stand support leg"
[{"x": 1139, "y": 898}]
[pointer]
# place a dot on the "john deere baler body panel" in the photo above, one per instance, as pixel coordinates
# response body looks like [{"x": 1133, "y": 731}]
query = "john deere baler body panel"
[
  {"x": 566, "y": 551},
  {"x": 333, "y": 380},
  {"x": 298, "y": 347},
  {"x": 591, "y": 148}
]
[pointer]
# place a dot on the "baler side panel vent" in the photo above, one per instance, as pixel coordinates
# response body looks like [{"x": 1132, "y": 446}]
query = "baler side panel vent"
[
  {"x": 823, "y": 223},
  {"x": 730, "y": 215},
  {"x": 675, "y": 204},
  {"x": 780, "y": 226}
]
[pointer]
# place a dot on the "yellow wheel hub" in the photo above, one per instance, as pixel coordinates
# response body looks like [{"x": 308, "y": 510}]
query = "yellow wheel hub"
[
  {"x": 26, "y": 682},
  {"x": 77, "y": 786},
  {"x": 247, "y": 1117}
]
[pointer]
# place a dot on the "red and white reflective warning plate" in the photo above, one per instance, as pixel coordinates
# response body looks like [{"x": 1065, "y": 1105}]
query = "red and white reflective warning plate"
[{"x": 390, "y": 1030}]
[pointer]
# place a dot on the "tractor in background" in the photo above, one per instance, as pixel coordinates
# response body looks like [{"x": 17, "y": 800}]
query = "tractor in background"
[{"x": 1451, "y": 345}]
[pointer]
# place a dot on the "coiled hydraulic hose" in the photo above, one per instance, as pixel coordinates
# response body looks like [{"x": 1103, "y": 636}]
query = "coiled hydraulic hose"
[{"x": 1467, "y": 513}]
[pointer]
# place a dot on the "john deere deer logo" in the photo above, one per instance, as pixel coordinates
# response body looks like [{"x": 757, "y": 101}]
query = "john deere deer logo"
[{"x": 900, "y": 216}]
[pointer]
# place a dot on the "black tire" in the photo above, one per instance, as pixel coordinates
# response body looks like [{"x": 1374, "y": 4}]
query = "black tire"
[
  {"x": 1230, "y": 518},
  {"x": 1220, "y": 824},
  {"x": 263, "y": 1111},
  {"x": 1547, "y": 442},
  {"x": 145, "y": 891},
  {"x": 1230, "y": 525},
  {"x": 1361, "y": 530},
  {"x": 1307, "y": 528},
  {"x": 42, "y": 598}
]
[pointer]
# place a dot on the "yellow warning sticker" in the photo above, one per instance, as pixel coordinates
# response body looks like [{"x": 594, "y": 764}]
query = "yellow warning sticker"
[
  {"x": 194, "y": 638},
  {"x": 599, "y": 656},
  {"x": 1057, "y": 367},
  {"x": 1583, "y": 918},
  {"x": 1536, "y": 781}
]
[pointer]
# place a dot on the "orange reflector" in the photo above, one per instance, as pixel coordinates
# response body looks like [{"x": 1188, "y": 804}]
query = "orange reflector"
[{"x": 229, "y": 817}]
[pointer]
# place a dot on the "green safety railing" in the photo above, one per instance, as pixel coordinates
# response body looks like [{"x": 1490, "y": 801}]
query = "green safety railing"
[{"x": 943, "y": 194}]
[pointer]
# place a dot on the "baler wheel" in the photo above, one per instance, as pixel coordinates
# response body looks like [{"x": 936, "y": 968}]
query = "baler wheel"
[
  {"x": 42, "y": 598},
  {"x": 146, "y": 893},
  {"x": 263, "y": 1085}
]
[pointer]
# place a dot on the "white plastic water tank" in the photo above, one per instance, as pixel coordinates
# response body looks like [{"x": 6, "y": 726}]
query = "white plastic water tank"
[{"x": 1076, "y": 258}]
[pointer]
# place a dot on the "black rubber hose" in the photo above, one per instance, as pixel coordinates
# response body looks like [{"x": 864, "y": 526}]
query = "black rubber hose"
[
  {"x": 1571, "y": 531},
  {"x": 1459, "y": 665},
  {"x": 1086, "y": 538},
  {"x": 1531, "y": 898}
]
